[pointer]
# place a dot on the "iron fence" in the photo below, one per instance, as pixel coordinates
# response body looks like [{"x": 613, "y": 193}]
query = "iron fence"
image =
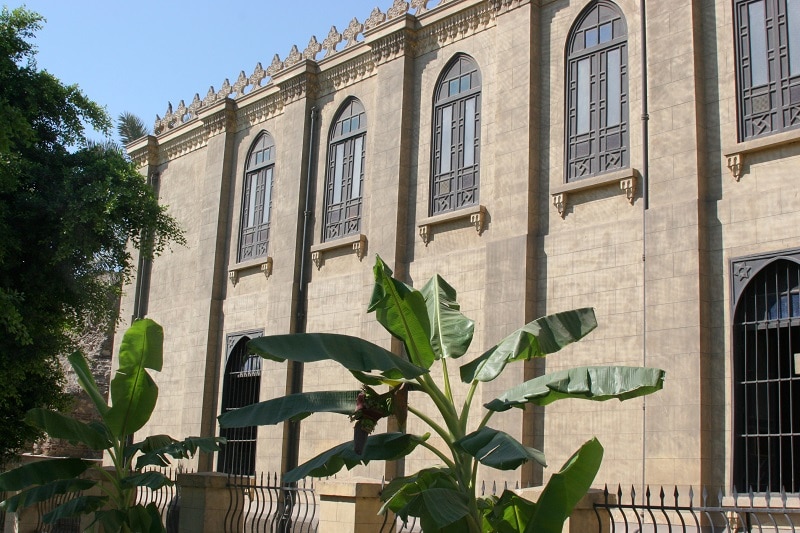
[
  {"x": 714, "y": 513},
  {"x": 63, "y": 525},
  {"x": 166, "y": 498},
  {"x": 263, "y": 504}
]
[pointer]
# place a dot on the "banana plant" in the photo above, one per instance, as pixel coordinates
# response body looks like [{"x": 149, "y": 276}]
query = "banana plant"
[
  {"x": 109, "y": 493},
  {"x": 433, "y": 330}
]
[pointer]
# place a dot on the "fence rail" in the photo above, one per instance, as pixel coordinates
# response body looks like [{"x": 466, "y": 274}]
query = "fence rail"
[
  {"x": 667, "y": 510},
  {"x": 166, "y": 498},
  {"x": 263, "y": 504}
]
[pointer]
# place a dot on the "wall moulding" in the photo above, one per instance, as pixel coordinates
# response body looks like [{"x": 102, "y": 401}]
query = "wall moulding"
[
  {"x": 737, "y": 155},
  {"x": 357, "y": 243},
  {"x": 626, "y": 179},
  {"x": 476, "y": 215}
]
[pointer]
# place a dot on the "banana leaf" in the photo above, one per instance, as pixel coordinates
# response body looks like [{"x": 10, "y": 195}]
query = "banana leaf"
[
  {"x": 156, "y": 448},
  {"x": 402, "y": 311},
  {"x": 431, "y": 494},
  {"x": 75, "y": 507},
  {"x": 381, "y": 447},
  {"x": 133, "y": 391},
  {"x": 451, "y": 331},
  {"x": 598, "y": 383},
  {"x": 509, "y": 514},
  {"x": 498, "y": 449},
  {"x": 153, "y": 480},
  {"x": 292, "y": 407},
  {"x": 42, "y": 493},
  {"x": 565, "y": 489},
  {"x": 59, "y": 426},
  {"x": 87, "y": 382},
  {"x": 42, "y": 472},
  {"x": 351, "y": 352},
  {"x": 538, "y": 338}
]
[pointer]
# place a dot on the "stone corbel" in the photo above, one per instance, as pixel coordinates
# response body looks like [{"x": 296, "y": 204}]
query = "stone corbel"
[
  {"x": 423, "y": 232},
  {"x": 266, "y": 267},
  {"x": 735, "y": 164},
  {"x": 233, "y": 276},
  {"x": 360, "y": 247},
  {"x": 317, "y": 258},
  {"x": 560, "y": 203},
  {"x": 478, "y": 219},
  {"x": 629, "y": 186}
]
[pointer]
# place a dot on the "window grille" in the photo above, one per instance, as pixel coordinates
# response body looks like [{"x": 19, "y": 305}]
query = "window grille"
[
  {"x": 455, "y": 176},
  {"x": 766, "y": 336},
  {"x": 257, "y": 199},
  {"x": 345, "y": 176},
  {"x": 597, "y": 93},
  {"x": 768, "y": 66},
  {"x": 240, "y": 387}
]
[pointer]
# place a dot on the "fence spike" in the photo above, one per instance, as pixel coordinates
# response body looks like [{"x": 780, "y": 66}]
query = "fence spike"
[
  {"x": 676, "y": 495},
  {"x": 661, "y": 496},
  {"x": 494, "y": 488},
  {"x": 647, "y": 494},
  {"x": 483, "y": 488}
]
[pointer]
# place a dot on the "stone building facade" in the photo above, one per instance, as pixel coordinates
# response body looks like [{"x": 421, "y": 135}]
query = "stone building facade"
[{"x": 541, "y": 155}]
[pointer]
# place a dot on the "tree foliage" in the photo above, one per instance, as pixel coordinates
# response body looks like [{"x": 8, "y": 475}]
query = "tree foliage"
[
  {"x": 130, "y": 127},
  {"x": 68, "y": 209}
]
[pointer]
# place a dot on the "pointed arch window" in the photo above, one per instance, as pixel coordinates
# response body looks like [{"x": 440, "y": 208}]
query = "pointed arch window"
[
  {"x": 240, "y": 387},
  {"x": 766, "y": 396},
  {"x": 767, "y": 66},
  {"x": 257, "y": 199},
  {"x": 597, "y": 93},
  {"x": 455, "y": 176},
  {"x": 345, "y": 172}
]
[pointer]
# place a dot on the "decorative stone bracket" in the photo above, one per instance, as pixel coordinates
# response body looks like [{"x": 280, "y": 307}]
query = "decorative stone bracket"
[
  {"x": 626, "y": 179},
  {"x": 265, "y": 266},
  {"x": 736, "y": 155},
  {"x": 358, "y": 243},
  {"x": 476, "y": 215}
]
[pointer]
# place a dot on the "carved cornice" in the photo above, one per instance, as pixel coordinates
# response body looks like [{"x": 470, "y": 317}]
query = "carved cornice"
[
  {"x": 451, "y": 28},
  {"x": 346, "y": 74},
  {"x": 144, "y": 155},
  {"x": 193, "y": 140},
  {"x": 260, "y": 110},
  {"x": 221, "y": 121},
  {"x": 391, "y": 47},
  {"x": 456, "y": 27},
  {"x": 298, "y": 87}
]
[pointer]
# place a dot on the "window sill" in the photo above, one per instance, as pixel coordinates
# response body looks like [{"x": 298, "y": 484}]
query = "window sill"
[
  {"x": 475, "y": 213},
  {"x": 264, "y": 263},
  {"x": 357, "y": 242},
  {"x": 625, "y": 178},
  {"x": 736, "y": 154}
]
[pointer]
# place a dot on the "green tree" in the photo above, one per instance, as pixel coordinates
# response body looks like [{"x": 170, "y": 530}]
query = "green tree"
[
  {"x": 68, "y": 210},
  {"x": 130, "y": 127},
  {"x": 433, "y": 329}
]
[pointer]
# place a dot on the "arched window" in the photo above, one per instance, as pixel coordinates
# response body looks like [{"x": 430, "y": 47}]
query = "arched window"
[
  {"x": 240, "y": 387},
  {"x": 597, "y": 92},
  {"x": 257, "y": 199},
  {"x": 767, "y": 66},
  {"x": 766, "y": 344},
  {"x": 455, "y": 176},
  {"x": 345, "y": 175}
]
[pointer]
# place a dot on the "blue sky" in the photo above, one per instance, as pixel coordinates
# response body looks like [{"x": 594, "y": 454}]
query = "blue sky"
[{"x": 138, "y": 56}]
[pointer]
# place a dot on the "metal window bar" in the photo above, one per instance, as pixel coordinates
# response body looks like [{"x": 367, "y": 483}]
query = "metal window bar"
[
  {"x": 240, "y": 388},
  {"x": 738, "y": 513},
  {"x": 166, "y": 498},
  {"x": 263, "y": 504},
  {"x": 767, "y": 381}
]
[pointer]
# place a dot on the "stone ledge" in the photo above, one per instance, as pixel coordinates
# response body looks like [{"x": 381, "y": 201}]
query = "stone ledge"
[
  {"x": 264, "y": 263},
  {"x": 475, "y": 213},
  {"x": 358, "y": 242},
  {"x": 735, "y": 155},
  {"x": 357, "y": 487},
  {"x": 626, "y": 179}
]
